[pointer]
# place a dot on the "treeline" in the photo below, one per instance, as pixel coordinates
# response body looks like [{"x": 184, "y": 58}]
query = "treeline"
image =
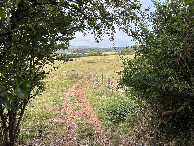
[
  {"x": 127, "y": 51},
  {"x": 87, "y": 50},
  {"x": 69, "y": 57},
  {"x": 83, "y": 53}
]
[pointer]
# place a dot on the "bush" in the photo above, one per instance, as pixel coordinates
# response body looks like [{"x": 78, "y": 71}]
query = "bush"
[
  {"x": 118, "y": 109},
  {"x": 162, "y": 72},
  {"x": 94, "y": 53},
  {"x": 64, "y": 57}
]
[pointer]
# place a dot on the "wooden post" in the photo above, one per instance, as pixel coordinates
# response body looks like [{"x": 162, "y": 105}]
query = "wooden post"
[
  {"x": 108, "y": 86},
  {"x": 102, "y": 79}
]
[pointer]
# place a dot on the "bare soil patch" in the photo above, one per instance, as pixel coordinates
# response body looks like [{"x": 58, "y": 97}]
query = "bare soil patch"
[{"x": 70, "y": 114}]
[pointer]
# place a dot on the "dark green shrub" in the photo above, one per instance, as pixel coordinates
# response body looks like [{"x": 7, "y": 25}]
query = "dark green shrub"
[
  {"x": 162, "y": 72},
  {"x": 118, "y": 109}
]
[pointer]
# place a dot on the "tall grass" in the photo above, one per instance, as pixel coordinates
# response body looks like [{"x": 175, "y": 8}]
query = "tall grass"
[
  {"x": 86, "y": 66},
  {"x": 118, "y": 113},
  {"x": 38, "y": 119}
]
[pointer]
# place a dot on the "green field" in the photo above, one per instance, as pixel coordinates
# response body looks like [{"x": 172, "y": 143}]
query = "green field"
[{"x": 38, "y": 120}]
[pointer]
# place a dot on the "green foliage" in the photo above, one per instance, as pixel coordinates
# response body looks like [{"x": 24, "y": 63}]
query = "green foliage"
[
  {"x": 22, "y": 89},
  {"x": 2, "y": 12},
  {"x": 163, "y": 68},
  {"x": 118, "y": 109},
  {"x": 69, "y": 57},
  {"x": 162, "y": 71},
  {"x": 107, "y": 104},
  {"x": 126, "y": 51},
  {"x": 38, "y": 118},
  {"x": 64, "y": 57},
  {"x": 30, "y": 32},
  {"x": 177, "y": 128},
  {"x": 94, "y": 53}
]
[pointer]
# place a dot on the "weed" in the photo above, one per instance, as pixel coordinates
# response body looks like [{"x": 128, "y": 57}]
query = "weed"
[
  {"x": 37, "y": 118},
  {"x": 74, "y": 99},
  {"x": 118, "y": 109},
  {"x": 76, "y": 107},
  {"x": 115, "y": 137},
  {"x": 117, "y": 113},
  {"x": 84, "y": 130}
]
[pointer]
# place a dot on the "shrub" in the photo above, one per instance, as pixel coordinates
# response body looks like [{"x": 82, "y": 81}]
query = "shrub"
[
  {"x": 118, "y": 109},
  {"x": 162, "y": 72}
]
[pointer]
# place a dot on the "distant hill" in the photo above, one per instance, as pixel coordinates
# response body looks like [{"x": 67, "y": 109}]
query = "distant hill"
[
  {"x": 86, "y": 49},
  {"x": 79, "y": 47}
]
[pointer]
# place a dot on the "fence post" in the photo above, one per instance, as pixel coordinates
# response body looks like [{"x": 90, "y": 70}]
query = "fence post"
[
  {"x": 102, "y": 79},
  {"x": 108, "y": 86}
]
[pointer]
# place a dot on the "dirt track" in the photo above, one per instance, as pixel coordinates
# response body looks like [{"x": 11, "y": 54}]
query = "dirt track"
[{"x": 86, "y": 111}]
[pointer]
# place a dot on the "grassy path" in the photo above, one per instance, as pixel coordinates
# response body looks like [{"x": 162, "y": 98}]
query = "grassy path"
[
  {"x": 83, "y": 126},
  {"x": 54, "y": 115}
]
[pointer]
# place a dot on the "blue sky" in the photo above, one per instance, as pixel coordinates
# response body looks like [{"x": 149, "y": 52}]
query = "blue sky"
[{"x": 120, "y": 40}]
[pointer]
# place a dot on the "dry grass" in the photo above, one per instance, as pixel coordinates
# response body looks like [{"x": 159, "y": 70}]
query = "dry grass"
[
  {"x": 37, "y": 121},
  {"x": 109, "y": 53},
  {"x": 86, "y": 66}
]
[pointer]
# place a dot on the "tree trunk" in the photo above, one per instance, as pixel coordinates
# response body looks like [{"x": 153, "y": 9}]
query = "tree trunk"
[
  {"x": 12, "y": 127},
  {"x": 4, "y": 129}
]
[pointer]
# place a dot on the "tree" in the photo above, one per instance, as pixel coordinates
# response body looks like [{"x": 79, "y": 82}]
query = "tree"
[
  {"x": 94, "y": 53},
  {"x": 127, "y": 51},
  {"x": 162, "y": 73},
  {"x": 30, "y": 31}
]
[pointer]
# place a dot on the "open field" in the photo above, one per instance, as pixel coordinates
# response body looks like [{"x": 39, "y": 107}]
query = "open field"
[
  {"x": 39, "y": 123},
  {"x": 109, "y": 53},
  {"x": 86, "y": 66}
]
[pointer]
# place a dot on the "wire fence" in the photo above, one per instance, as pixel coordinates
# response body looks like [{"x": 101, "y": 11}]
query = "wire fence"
[{"x": 109, "y": 82}]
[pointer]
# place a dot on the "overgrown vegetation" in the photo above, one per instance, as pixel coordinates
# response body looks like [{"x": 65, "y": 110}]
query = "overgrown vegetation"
[
  {"x": 69, "y": 57},
  {"x": 162, "y": 73},
  {"x": 159, "y": 78},
  {"x": 30, "y": 32},
  {"x": 84, "y": 131},
  {"x": 38, "y": 123},
  {"x": 117, "y": 112},
  {"x": 118, "y": 108},
  {"x": 41, "y": 127}
]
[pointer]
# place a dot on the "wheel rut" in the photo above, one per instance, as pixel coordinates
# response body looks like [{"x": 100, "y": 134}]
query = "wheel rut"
[{"x": 75, "y": 97}]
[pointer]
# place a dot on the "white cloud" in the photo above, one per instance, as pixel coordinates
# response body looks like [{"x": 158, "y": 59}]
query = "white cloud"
[{"x": 121, "y": 39}]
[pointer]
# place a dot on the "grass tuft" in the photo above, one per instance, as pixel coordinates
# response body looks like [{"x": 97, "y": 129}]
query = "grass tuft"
[
  {"x": 37, "y": 122},
  {"x": 84, "y": 131},
  {"x": 118, "y": 114}
]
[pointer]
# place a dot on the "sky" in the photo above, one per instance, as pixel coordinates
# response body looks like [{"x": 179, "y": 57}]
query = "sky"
[{"x": 120, "y": 39}]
